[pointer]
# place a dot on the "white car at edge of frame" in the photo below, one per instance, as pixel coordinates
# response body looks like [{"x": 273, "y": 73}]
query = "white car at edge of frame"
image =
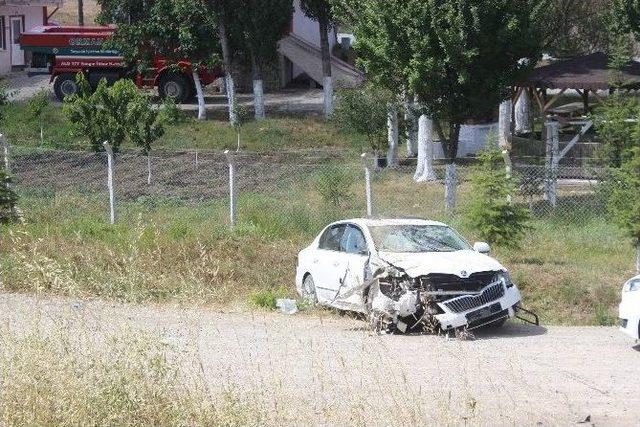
[
  {"x": 629, "y": 310},
  {"x": 405, "y": 274}
]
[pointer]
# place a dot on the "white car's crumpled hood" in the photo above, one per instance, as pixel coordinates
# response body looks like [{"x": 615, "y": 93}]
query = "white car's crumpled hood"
[{"x": 460, "y": 263}]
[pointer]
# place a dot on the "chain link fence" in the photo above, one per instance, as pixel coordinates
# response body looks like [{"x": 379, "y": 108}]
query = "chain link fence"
[{"x": 283, "y": 188}]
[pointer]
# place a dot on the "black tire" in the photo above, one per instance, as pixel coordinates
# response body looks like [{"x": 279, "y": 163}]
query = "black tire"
[
  {"x": 175, "y": 86},
  {"x": 309, "y": 290},
  {"x": 65, "y": 85}
]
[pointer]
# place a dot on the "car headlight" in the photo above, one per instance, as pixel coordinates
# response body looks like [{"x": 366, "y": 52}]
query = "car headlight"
[
  {"x": 504, "y": 278},
  {"x": 632, "y": 285}
]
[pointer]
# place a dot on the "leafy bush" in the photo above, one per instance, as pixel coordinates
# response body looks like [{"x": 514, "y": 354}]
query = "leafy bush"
[
  {"x": 491, "y": 212},
  {"x": 265, "y": 299},
  {"x": 624, "y": 199},
  {"x": 363, "y": 111},
  {"x": 170, "y": 113},
  {"x": 8, "y": 199}
]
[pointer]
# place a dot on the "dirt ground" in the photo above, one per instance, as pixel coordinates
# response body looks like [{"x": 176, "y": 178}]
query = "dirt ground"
[{"x": 325, "y": 369}]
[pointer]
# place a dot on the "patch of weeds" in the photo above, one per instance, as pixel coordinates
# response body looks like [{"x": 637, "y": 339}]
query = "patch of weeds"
[
  {"x": 266, "y": 298},
  {"x": 603, "y": 316}
]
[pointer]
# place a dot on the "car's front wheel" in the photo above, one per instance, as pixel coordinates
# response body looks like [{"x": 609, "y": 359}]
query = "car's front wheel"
[{"x": 309, "y": 290}]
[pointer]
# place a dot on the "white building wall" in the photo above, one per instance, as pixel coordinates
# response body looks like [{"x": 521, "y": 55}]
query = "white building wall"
[
  {"x": 33, "y": 17},
  {"x": 308, "y": 30}
]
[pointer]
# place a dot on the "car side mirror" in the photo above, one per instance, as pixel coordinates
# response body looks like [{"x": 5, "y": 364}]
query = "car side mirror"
[{"x": 482, "y": 247}]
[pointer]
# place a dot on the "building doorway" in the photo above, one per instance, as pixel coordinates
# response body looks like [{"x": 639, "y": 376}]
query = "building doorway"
[{"x": 16, "y": 23}]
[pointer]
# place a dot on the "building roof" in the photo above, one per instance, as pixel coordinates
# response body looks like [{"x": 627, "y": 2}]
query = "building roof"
[{"x": 582, "y": 72}]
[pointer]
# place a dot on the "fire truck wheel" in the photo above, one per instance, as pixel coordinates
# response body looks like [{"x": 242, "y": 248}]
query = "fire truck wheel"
[
  {"x": 65, "y": 85},
  {"x": 175, "y": 86}
]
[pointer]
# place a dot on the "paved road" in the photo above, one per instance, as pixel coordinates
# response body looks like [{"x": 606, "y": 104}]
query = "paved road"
[{"x": 326, "y": 369}]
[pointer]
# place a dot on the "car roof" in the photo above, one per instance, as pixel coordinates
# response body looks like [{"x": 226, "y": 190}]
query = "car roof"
[{"x": 373, "y": 222}]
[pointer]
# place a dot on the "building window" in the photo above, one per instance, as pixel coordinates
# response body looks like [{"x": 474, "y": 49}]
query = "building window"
[{"x": 3, "y": 33}]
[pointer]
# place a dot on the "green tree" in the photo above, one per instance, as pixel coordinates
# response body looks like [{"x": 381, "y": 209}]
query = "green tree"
[
  {"x": 241, "y": 117},
  {"x": 261, "y": 24},
  {"x": 145, "y": 126},
  {"x": 363, "y": 111},
  {"x": 624, "y": 199},
  {"x": 573, "y": 27},
  {"x": 176, "y": 29},
  {"x": 102, "y": 115},
  {"x": 616, "y": 130},
  {"x": 492, "y": 213},
  {"x": 320, "y": 11},
  {"x": 37, "y": 107},
  {"x": 459, "y": 57}
]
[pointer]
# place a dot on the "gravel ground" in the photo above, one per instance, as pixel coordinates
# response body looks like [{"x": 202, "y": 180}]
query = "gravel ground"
[{"x": 325, "y": 369}]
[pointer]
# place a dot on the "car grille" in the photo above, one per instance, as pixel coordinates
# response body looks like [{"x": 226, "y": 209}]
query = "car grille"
[
  {"x": 469, "y": 302},
  {"x": 437, "y": 282}
]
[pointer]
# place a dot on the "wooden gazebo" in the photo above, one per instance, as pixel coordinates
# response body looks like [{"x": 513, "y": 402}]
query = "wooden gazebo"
[{"x": 585, "y": 74}]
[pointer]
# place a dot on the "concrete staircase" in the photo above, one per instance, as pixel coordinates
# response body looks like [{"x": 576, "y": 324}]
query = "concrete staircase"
[{"x": 308, "y": 57}]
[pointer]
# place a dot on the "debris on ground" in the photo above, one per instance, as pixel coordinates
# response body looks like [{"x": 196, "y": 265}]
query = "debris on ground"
[{"x": 287, "y": 306}]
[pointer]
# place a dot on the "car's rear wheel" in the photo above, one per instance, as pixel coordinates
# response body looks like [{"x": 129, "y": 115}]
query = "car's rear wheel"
[
  {"x": 309, "y": 290},
  {"x": 65, "y": 85},
  {"x": 174, "y": 86}
]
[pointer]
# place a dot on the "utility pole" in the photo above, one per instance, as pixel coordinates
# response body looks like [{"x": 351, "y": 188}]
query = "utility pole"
[{"x": 81, "y": 13}]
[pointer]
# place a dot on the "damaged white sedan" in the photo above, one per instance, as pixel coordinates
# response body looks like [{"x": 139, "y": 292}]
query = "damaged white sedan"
[{"x": 406, "y": 275}]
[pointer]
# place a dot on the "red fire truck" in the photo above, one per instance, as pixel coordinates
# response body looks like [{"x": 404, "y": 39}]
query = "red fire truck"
[{"x": 67, "y": 51}]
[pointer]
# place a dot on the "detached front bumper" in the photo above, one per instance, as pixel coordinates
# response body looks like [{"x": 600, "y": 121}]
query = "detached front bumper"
[
  {"x": 630, "y": 317},
  {"x": 495, "y": 302}
]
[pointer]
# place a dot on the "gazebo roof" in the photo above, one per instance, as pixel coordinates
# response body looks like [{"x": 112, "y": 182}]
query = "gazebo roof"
[{"x": 582, "y": 72}]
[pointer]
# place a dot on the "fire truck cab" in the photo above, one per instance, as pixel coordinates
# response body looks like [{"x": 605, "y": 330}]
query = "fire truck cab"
[{"x": 67, "y": 51}]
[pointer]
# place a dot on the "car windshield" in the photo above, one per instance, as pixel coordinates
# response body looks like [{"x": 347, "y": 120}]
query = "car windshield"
[{"x": 417, "y": 238}]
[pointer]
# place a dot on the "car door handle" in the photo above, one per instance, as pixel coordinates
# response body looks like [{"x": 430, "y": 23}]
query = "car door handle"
[
  {"x": 315, "y": 261},
  {"x": 335, "y": 264}
]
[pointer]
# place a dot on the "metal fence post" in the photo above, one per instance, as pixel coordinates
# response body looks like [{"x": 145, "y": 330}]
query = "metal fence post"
[
  {"x": 112, "y": 196},
  {"x": 5, "y": 152},
  {"x": 367, "y": 184},
  {"x": 232, "y": 186}
]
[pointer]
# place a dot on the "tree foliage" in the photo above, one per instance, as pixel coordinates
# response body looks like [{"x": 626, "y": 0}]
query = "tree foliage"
[
  {"x": 145, "y": 123},
  {"x": 363, "y": 111},
  {"x": 618, "y": 134},
  {"x": 624, "y": 199},
  {"x": 103, "y": 114},
  {"x": 492, "y": 213},
  {"x": 459, "y": 57},
  {"x": 175, "y": 29},
  {"x": 576, "y": 27},
  {"x": 260, "y": 24}
]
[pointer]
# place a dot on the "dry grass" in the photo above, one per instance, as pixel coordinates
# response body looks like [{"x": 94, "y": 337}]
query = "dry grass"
[{"x": 127, "y": 379}]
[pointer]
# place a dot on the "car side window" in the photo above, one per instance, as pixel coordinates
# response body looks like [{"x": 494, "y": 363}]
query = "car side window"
[
  {"x": 331, "y": 238},
  {"x": 353, "y": 241}
]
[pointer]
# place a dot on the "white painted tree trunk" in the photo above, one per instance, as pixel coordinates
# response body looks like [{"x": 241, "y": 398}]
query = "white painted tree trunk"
[
  {"x": 41, "y": 134},
  {"x": 258, "y": 99},
  {"x": 238, "y": 149},
  {"x": 112, "y": 193},
  {"x": 523, "y": 114},
  {"x": 412, "y": 129},
  {"x": 551, "y": 162},
  {"x": 451, "y": 185},
  {"x": 504, "y": 134},
  {"x": 392, "y": 136},
  {"x": 231, "y": 97},
  {"x": 328, "y": 96},
  {"x": 424, "y": 170},
  {"x": 202, "y": 111},
  {"x": 504, "y": 125},
  {"x": 638, "y": 257},
  {"x": 149, "y": 168}
]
